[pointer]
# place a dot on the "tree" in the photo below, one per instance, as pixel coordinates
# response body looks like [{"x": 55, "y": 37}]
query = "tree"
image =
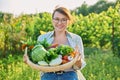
[
  {"x": 82, "y": 9},
  {"x": 101, "y": 5}
]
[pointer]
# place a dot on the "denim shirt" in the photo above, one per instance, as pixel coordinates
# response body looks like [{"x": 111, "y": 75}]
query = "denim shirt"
[{"x": 73, "y": 40}]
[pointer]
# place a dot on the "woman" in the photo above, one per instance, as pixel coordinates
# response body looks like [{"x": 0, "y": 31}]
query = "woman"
[{"x": 61, "y": 18}]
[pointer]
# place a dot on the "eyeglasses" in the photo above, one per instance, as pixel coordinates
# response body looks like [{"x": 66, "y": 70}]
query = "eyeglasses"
[{"x": 56, "y": 20}]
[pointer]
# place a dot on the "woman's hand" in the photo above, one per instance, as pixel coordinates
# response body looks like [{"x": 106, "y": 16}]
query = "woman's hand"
[
  {"x": 78, "y": 63},
  {"x": 25, "y": 56}
]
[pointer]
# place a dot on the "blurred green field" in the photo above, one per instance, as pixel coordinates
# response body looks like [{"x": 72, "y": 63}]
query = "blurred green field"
[{"x": 101, "y": 65}]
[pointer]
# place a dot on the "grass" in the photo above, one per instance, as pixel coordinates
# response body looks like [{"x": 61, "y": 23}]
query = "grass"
[{"x": 100, "y": 66}]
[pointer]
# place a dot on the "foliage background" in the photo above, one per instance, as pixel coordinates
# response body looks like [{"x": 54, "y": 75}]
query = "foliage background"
[{"x": 98, "y": 29}]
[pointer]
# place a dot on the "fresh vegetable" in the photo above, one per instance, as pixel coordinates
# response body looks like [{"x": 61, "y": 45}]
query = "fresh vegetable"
[
  {"x": 38, "y": 53},
  {"x": 44, "y": 43},
  {"x": 24, "y": 46},
  {"x": 65, "y": 57},
  {"x": 46, "y": 54},
  {"x": 43, "y": 63},
  {"x": 64, "y": 61},
  {"x": 64, "y": 50},
  {"x": 51, "y": 55},
  {"x": 28, "y": 43},
  {"x": 56, "y": 62},
  {"x": 53, "y": 46},
  {"x": 70, "y": 58}
]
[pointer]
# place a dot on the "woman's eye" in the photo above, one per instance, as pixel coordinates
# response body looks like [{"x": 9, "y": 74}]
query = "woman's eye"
[{"x": 64, "y": 19}]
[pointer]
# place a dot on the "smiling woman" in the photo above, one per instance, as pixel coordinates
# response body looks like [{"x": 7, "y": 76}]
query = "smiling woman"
[{"x": 61, "y": 19}]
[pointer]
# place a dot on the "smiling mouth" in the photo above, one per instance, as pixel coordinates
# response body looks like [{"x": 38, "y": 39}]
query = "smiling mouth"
[{"x": 60, "y": 27}]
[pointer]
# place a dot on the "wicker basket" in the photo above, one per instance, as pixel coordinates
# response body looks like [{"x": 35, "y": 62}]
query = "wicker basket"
[{"x": 52, "y": 68}]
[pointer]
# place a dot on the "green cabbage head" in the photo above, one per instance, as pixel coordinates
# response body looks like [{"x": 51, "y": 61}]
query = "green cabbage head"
[{"x": 38, "y": 53}]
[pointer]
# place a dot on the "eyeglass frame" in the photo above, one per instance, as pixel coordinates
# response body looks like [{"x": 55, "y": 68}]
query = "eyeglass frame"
[{"x": 63, "y": 20}]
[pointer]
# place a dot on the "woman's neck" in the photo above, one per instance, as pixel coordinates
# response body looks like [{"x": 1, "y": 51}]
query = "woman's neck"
[
  {"x": 60, "y": 38},
  {"x": 60, "y": 34}
]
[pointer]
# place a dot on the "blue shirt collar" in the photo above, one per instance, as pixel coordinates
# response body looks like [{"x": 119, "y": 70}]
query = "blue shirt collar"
[
  {"x": 69, "y": 37},
  {"x": 67, "y": 33}
]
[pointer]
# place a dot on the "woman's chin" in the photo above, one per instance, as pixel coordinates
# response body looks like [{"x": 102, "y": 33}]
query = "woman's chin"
[{"x": 59, "y": 29}]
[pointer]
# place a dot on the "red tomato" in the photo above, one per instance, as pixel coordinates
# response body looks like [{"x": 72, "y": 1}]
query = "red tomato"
[
  {"x": 64, "y": 61},
  {"x": 65, "y": 57}
]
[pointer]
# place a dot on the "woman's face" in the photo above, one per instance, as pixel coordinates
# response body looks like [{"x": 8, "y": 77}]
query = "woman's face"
[{"x": 60, "y": 21}]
